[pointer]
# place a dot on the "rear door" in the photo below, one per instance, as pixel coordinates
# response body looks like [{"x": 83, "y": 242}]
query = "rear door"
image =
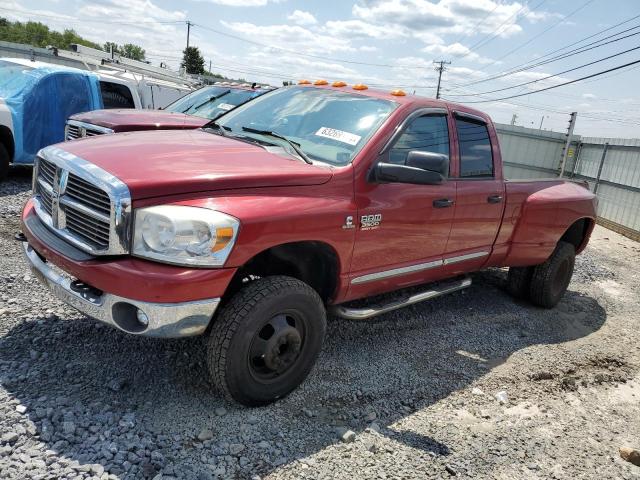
[{"x": 479, "y": 193}]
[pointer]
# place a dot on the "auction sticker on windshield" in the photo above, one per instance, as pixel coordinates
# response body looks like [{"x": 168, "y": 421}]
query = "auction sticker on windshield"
[
  {"x": 225, "y": 106},
  {"x": 339, "y": 135}
]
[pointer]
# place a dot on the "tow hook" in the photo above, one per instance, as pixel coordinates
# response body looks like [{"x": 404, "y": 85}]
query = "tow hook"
[
  {"x": 20, "y": 237},
  {"x": 86, "y": 291}
]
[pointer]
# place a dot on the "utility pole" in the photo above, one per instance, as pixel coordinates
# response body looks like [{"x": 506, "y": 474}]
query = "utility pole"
[
  {"x": 513, "y": 118},
  {"x": 565, "y": 151},
  {"x": 209, "y": 65},
  {"x": 188, "y": 32},
  {"x": 541, "y": 120},
  {"x": 440, "y": 68}
]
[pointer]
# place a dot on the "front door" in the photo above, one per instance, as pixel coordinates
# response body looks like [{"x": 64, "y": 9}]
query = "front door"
[{"x": 402, "y": 229}]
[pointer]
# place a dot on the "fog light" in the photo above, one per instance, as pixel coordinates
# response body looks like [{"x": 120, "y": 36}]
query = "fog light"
[{"x": 142, "y": 317}]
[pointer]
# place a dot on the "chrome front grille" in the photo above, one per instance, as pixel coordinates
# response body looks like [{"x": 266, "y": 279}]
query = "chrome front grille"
[
  {"x": 88, "y": 195},
  {"x": 73, "y": 132},
  {"x": 75, "y": 129},
  {"x": 81, "y": 202}
]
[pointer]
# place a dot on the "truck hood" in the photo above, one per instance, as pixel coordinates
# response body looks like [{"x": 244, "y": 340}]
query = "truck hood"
[
  {"x": 129, "y": 119},
  {"x": 163, "y": 163}
]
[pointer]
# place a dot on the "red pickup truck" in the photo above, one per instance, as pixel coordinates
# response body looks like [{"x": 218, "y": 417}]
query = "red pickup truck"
[
  {"x": 189, "y": 112},
  {"x": 298, "y": 202}
]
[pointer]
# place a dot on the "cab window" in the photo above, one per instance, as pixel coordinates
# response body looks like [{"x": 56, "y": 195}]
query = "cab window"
[
  {"x": 428, "y": 133},
  {"x": 476, "y": 156}
]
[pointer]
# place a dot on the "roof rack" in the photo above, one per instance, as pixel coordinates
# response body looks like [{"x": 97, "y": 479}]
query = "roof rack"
[{"x": 91, "y": 56}]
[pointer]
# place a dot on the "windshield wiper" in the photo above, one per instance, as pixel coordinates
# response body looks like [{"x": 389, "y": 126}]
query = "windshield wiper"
[
  {"x": 221, "y": 128},
  {"x": 210, "y": 99},
  {"x": 294, "y": 145}
]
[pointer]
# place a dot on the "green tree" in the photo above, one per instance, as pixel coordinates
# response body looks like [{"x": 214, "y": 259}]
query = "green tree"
[
  {"x": 192, "y": 61},
  {"x": 111, "y": 45},
  {"x": 39, "y": 35},
  {"x": 134, "y": 52}
]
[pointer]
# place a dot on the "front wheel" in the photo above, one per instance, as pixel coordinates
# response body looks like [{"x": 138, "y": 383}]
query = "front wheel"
[
  {"x": 550, "y": 279},
  {"x": 266, "y": 339}
]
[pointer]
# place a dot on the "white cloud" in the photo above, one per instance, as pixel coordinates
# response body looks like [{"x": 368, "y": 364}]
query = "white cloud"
[
  {"x": 138, "y": 24},
  {"x": 465, "y": 17},
  {"x": 589, "y": 96},
  {"x": 302, "y": 18},
  {"x": 456, "y": 50},
  {"x": 242, "y": 3},
  {"x": 360, "y": 29},
  {"x": 290, "y": 37}
]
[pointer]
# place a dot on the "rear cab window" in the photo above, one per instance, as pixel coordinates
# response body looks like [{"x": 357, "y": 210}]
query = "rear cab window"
[
  {"x": 474, "y": 143},
  {"x": 116, "y": 95}
]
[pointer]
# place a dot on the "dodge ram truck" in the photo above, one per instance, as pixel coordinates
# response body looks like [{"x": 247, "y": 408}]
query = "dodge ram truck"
[
  {"x": 298, "y": 203},
  {"x": 189, "y": 112}
]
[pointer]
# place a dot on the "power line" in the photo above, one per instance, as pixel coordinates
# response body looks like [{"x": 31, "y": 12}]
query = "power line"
[
  {"x": 488, "y": 38},
  {"x": 560, "y": 57},
  {"x": 553, "y": 109},
  {"x": 539, "y": 61},
  {"x": 479, "y": 22},
  {"x": 585, "y": 4},
  {"x": 553, "y": 75},
  {"x": 560, "y": 84},
  {"x": 310, "y": 55}
]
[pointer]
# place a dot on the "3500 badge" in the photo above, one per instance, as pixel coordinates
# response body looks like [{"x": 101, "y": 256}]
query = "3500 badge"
[{"x": 369, "y": 222}]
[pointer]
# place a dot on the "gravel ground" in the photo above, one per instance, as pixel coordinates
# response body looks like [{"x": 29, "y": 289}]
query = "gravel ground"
[{"x": 472, "y": 385}]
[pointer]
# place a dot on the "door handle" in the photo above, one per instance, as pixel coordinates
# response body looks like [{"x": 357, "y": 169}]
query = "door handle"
[
  {"x": 494, "y": 198},
  {"x": 442, "y": 203}
]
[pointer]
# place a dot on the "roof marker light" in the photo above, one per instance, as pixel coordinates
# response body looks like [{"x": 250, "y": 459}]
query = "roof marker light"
[
  {"x": 398, "y": 93},
  {"x": 339, "y": 84},
  {"x": 360, "y": 86},
  {"x": 304, "y": 82},
  {"x": 321, "y": 82}
]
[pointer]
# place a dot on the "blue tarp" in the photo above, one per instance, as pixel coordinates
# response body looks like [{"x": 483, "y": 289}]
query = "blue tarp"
[{"x": 41, "y": 99}]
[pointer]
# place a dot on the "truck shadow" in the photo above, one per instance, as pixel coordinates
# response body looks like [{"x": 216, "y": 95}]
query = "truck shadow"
[
  {"x": 96, "y": 395},
  {"x": 18, "y": 180}
]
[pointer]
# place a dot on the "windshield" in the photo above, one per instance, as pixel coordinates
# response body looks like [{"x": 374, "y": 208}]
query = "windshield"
[
  {"x": 223, "y": 104},
  {"x": 13, "y": 78},
  {"x": 329, "y": 125},
  {"x": 211, "y": 102}
]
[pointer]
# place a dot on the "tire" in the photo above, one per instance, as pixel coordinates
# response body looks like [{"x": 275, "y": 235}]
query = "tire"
[
  {"x": 4, "y": 162},
  {"x": 266, "y": 340},
  {"x": 551, "y": 278},
  {"x": 519, "y": 281}
]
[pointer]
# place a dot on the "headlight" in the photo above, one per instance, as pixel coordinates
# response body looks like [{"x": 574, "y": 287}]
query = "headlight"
[{"x": 184, "y": 235}]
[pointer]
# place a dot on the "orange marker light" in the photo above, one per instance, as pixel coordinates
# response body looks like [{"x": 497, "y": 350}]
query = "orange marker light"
[
  {"x": 339, "y": 84},
  {"x": 304, "y": 82},
  {"x": 321, "y": 82},
  {"x": 223, "y": 237},
  {"x": 398, "y": 93},
  {"x": 360, "y": 86}
]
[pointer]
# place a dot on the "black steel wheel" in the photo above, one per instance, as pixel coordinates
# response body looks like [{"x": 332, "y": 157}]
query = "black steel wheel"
[{"x": 266, "y": 339}]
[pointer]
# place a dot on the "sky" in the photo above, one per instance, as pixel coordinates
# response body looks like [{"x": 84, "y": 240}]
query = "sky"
[{"x": 392, "y": 44}]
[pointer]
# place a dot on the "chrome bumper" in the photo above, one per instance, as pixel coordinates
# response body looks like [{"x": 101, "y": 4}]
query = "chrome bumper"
[{"x": 165, "y": 320}]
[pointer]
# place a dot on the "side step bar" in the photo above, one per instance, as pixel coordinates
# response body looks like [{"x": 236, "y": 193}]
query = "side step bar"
[{"x": 433, "y": 292}]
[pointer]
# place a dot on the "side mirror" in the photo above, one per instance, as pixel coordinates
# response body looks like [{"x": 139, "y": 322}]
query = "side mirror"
[
  {"x": 389, "y": 172},
  {"x": 434, "y": 162}
]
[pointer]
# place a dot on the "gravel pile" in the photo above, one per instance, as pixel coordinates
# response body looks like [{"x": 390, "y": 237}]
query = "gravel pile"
[{"x": 471, "y": 385}]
